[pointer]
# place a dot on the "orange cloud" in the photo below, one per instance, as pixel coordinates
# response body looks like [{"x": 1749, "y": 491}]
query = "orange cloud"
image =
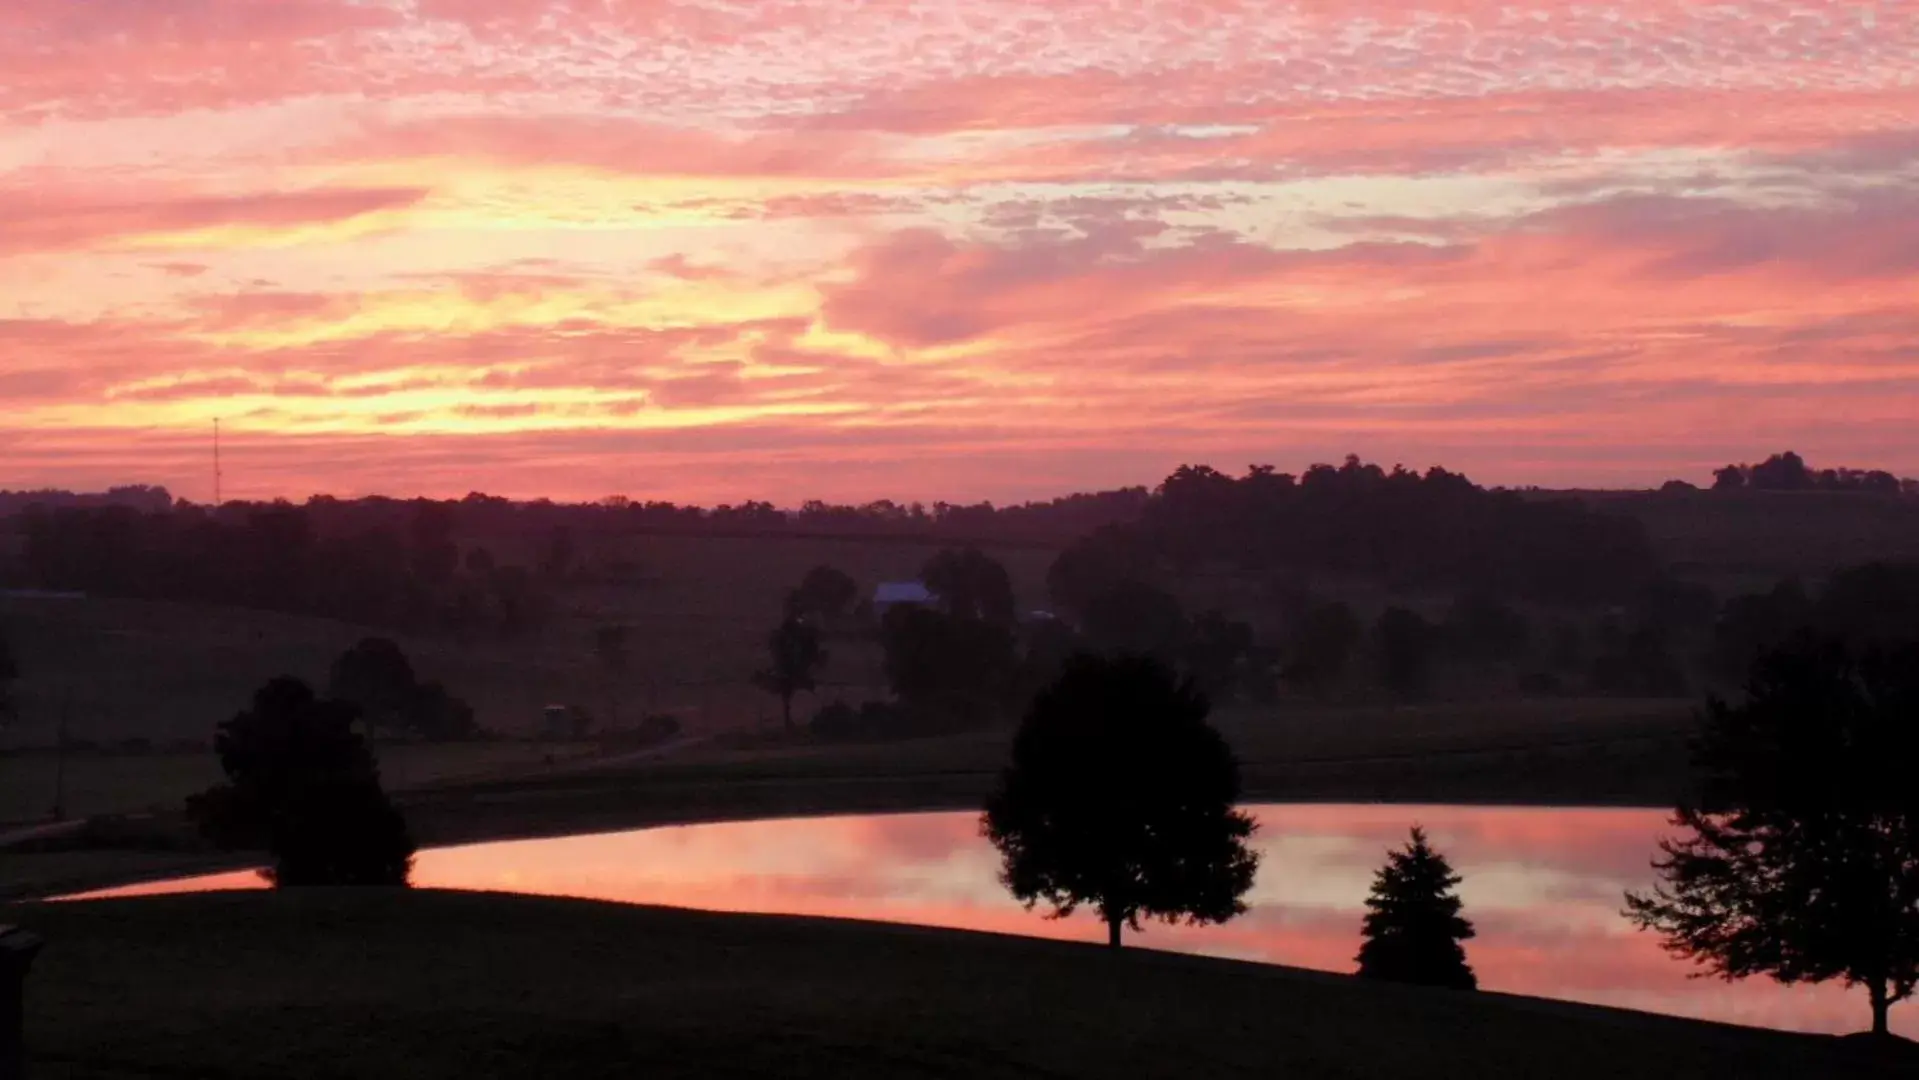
[
  {"x": 853, "y": 249},
  {"x": 40, "y": 221}
]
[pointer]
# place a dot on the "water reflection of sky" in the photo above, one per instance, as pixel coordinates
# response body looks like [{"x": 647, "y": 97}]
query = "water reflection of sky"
[{"x": 1544, "y": 886}]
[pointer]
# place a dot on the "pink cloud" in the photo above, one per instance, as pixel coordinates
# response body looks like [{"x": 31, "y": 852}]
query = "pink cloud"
[
  {"x": 35, "y": 220},
  {"x": 622, "y": 145},
  {"x": 1540, "y": 240}
]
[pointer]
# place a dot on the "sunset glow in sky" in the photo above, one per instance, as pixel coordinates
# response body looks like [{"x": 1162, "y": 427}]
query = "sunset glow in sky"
[{"x": 711, "y": 250}]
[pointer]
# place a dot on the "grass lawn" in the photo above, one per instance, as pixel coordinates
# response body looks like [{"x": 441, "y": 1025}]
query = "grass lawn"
[
  {"x": 697, "y": 618},
  {"x": 1542, "y": 753},
  {"x": 137, "y": 783},
  {"x": 467, "y": 985}
]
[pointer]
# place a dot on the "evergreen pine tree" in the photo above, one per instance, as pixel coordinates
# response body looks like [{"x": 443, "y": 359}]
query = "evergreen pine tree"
[{"x": 1413, "y": 927}]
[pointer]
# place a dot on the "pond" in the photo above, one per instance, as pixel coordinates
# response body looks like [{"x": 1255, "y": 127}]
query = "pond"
[{"x": 1544, "y": 887}]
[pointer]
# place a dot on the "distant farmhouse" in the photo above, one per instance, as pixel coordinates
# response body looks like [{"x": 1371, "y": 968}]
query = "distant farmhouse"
[{"x": 892, "y": 594}]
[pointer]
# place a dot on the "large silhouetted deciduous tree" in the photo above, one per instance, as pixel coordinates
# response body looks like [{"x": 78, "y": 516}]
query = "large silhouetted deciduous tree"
[
  {"x": 302, "y": 783},
  {"x": 1413, "y": 928},
  {"x": 1801, "y": 858},
  {"x": 1121, "y": 797},
  {"x": 794, "y": 656}
]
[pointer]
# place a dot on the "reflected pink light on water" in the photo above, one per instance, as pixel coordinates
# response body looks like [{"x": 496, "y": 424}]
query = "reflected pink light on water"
[{"x": 1545, "y": 887}]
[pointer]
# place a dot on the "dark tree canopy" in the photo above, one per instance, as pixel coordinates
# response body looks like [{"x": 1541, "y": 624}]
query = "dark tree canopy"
[
  {"x": 1483, "y": 628},
  {"x": 1135, "y": 617},
  {"x": 9, "y": 674},
  {"x": 375, "y": 563},
  {"x": 1408, "y": 530},
  {"x": 376, "y": 677},
  {"x": 971, "y": 585},
  {"x": 302, "y": 783},
  {"x": 1869, "y": 606},
  {"x": 958, "y": 670},
  {"x": 1320, "y": 646},
  {"x": 1096, "y": 564},
  {"x": 340, "y": 834},
  {"x": 1789, "y": 472},
  {"x": 1406, "y": 643},
  {"x": 1637, "y": 664},
  {"x": 825, "y": 592},
  {"x": 794, "y": 659},
  {"x": 1413, "y": 928},
  {"x": 1801, "y": 858},
  {"x": 1875, "y": 604},
  {"x": 1222, "y": 655},
  {"x": 1120, "y": 796}
]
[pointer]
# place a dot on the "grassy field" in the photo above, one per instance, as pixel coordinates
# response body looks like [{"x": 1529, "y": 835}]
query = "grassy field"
[
  {"x": 145, "y": 683},
  {"x": 1747, "y": 540},
  {"x": 1559, "y": 753},
  {"x": 430, "y": 985},
  {"x": 698, "y": 619},
  {"x": 112, "y": 783}
]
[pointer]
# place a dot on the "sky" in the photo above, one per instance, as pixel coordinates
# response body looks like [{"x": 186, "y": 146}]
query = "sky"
[{"x": 711, "y": 250}]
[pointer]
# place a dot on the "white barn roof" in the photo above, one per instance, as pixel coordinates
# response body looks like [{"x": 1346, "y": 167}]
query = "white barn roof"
[{"x": 902, "y": 592}]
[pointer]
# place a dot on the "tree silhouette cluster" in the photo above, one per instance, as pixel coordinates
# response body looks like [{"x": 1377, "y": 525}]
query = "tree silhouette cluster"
[
  {"x": 794, "y": 659},
  {"x": 1435, "y": 530},
  {"x": 1789, "y": 472},
  {"x": 954, "y": 672},
  {"x": 971, "y": 586},
  {"x": 376, "y": 677},
  {"x": 955, "y": 664},
  {"x": 1122, "y": 798},
  {"x": 139, "y": 497},
  {"x": 302, "y": 784},
  {"x": 826, "y": 593},
  {"x": 1413, "y": 926},
  {"x": 1800, "y": 858},
  {"x": 1221, "y": 654},
  {"x": 406, "y": 572},
  {"x": 1873, "y": 605}
]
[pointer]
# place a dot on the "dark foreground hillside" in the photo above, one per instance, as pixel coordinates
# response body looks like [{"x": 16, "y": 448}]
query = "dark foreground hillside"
[{"x": 464, "y": 985}]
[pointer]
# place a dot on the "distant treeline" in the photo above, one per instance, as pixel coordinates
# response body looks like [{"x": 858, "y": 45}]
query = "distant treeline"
[
  {"x": 1408, "y": 531},
  {"x": 403, "y": 569},
  {"x": 484, "y": 563},
  {"x": 1053, "y": 522},
  {"x": 136, "y": 497},
  {"x": 1789, "y": 472}
]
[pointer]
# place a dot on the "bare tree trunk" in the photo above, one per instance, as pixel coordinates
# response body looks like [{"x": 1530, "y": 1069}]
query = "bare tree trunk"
[
  {"x": 1880, "y": 1005},
  {"x": 786, "y": 710},
  {"x": 1113, "y": 924}
]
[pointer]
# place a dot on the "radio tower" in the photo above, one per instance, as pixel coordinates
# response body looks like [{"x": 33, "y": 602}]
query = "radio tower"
[{"x": 218, "y": 502}]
